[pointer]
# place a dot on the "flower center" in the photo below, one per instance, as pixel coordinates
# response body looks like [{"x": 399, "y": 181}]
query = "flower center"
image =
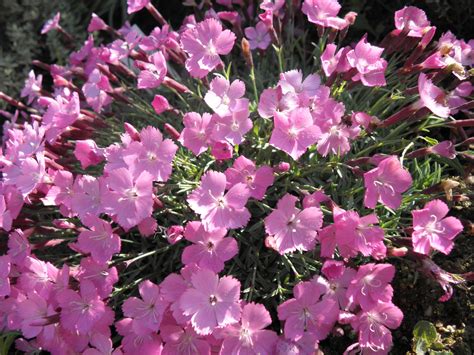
[{"x": 213, "y": 300}]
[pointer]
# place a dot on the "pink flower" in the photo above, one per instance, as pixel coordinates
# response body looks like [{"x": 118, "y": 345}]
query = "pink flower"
[
  {"x": 34, "y": 312},
  {"x": 131, "y": 200},
  {"x": 294, "y": 133},
  {"x": 183, "y": 340},
  {"x": 51, "y": 24},
  {"x": 153, "y": 73},
  {"x": 136, "y": 5},
  {"x": 339, "y": 278},
  {"x": 160, "y": 104},
  {"x": 88, "y": 153},
  {"x": 138, "y": 341},
  {"x": 204, "y": 43},
  {"x": 86, "y": 196},
  {"x": 210, "y": 249},
  {"x": 96, "y": 24},
  {"x": 333, "y": 62},
  {"x": 174, "y": 234},
  {"x": 412, "y": 20},
  {"x": 366, "y": 58},
  {"x": 386, "y": 183},
  {"x": 258, "y": 36},
  {"x": 26, "y": 174},
  {"x": 292, "y": 228},
  {"x": 32, "y": 86},
  {"x": 307, "y": 313},
  {"x": 152, "y": 154},
  {"x": 217, "y": 208},
  {"x": 61, "y": 191},
  {"x": 223, "y": 96},
  {"x": 6, "y": 219},
  {"x": 324, "y": 13},
  {"x": 4, "y": 273},
  {"x": 99, "y": 240},
  {"x": 99, "y": 274},
  {"x": 19, "y": 247},
  {"x": 335, "y": 139},
  {"x": 273, "y": 101},
  {"x": 444, "y": 278},
  {"x": 315, "y": 199},
  {"x": 249, "y": 335},
  {"x": 371, "y": 285},
  {"x": 95, "y": 90},
  {"x": 244, "y": 171},
  {"x": 102, "y": 346},
  {"x": 197, "y": 132},
  {"x": 147, "y": 312},
  {"x": 233, "y": 127},
  {"x": 444, "y": 149},
  {"x": 81, "y": 311},
  {"x": 148, "y": 226},
  {"x": 373, "y": 326},
  {"x": 212, "y": 302},
  {"x": 432, "y": 229},
  {"x": 292, "y": 82},
  {"x": 221, "y": 150},
  {"x": 432, "y": 97}
]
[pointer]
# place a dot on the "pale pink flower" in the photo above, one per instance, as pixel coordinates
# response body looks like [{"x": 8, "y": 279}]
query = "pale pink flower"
[
  {"x": 244, "y": 171},
  {"x": 412, "y": 20},
  {"x": 152, "y": 154},
  {"x": 153, "y": 73},
  {"x": 183, "y": 340},
  {"x": 258, "y": 36},
  {"x": 51, "y": 24},
  {"x": 432, "y": 97},
  {"x": 19, "y": 247},
  {"x": 81, "y": 311},
  {"x": 102, "y": 346},
  {"x": 96, "y": 24},
  {"x": 197, "y": 131},
  {"x": 306, "y": 345},
  {"x": 232, "y": 128},
  {"x": 26, "y": 174},
  {"x": 324, "y": 13},
  {"x": 333, "y": 62},
  {"x": 371, "y": 285},
  {"x": 95, "y": 90},
  {"x": 223, "y": 95},
  {"x": 209, "y": 249},
  {"x": 136, "y": 5},
  {"x": 212, "y": 302},
  {"x": 292, "y": 82},
  {"x": 101, "y": 275},
  {"x": 306, "y": 313},
  {"x": 148, "y": 311},
  {"x": 6, "y": 219},
  {"x": 129, "y": 199},
  {"x": 86, "y": 196},
  {"x": 160, "y": 104},
  {"x": 160, "y": 38},
  {"x": 386, "y": 183},
  {"x": 374, "y": 327},
  {"x": 221, "y": 150},
  {"x": 99, "y": 240},
  {"x": 32, "y": 86},
  {"x": 335, "y": 139},
  {"x": 292, "y": 228},
  {"x": 366, "y": 58},
  {"x": 295, "y": 132},
  {"x": 204, "y": 43},
  {"x": 138, "y": 341},
  {"x": 61, "y": 113},
  {"x": 432, "y": 229},
  {"x": 88, "y": 153},
  {"x": 339, "y": 278},
  {"x": 249, "y": 336},
  {"x": 61, "y": 192},
  {"x": 315, "y": 199},
  {"x": 5, "y": 264},
  {"x": 34, "y": 312},
  {"x": 272, "y": 101},
  {"x": 217, "y": 208}
]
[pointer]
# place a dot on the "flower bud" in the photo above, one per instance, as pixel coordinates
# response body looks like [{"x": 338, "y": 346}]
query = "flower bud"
[
  {"x": 174, "y": 234},
  {"x": 283, "y": 167}
]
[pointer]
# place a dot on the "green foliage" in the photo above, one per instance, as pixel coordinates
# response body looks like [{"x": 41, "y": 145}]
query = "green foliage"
[{"x": 427, "y": 340}]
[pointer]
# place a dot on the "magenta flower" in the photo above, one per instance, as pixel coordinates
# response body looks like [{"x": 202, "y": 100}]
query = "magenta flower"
[
  {"x": 81, "y": 311},
  {"x": 102, "y": 346},
  {"x": 153, "y": 73},
  {"x": 233, "y": 127},
  {"x": 136, "y": 5},
  {"x": 148, "y": 311},
  {"x": 129, "y": 199},
  {"x": 204, "y": 43},
  {"x": 212, "y": 302},
  {"x": 152, "y": 154},
  {"x": 292, "y": 228},
  {"x": 99, "y": 240},
  {"x": 432, "y": 229},
  {"x": 371, "y": 285},
  {"x": 138, "y": 341},
  {"x": 217, "y": 208},
  {"x": 444, "y": 149},
  {"x": 339, "y": 278},
  {"x": 101, "y": 275},
  {"x": 374, "y": 327},
  {"x": 197, "y": 131},
  {"x": 34, "y": 312},
  {"x": 88, "y": 153},
  {"x": 315, "y": 199},
  {"x": 324, "y": 13},
  {"x": 221, "y": 150},
  {"x": 160, "y": 104},
  {"x": 412, "y": 20},
  {"x": 386, "y": 183},
  {"x": 333, "y": 62},
  {"x": 336, "y": 139},
  {"x": 432, "y": 97},
  {"x": 249, "y": 336},
  {"x": 210, "y": 250},
  {"x": 5, "y": 263},
  {"x": 307, "y": 313},
  {"x": 223, "y": 95},
  {"x": 294, "y": 133},
  {"x": 366, "y": 58},
  {"x": 244, "y": 171},
  {"x": 272, "y": 101},
  {"x": 32, "y": 86},
  {"x": 51, "y": 24},
  {"x": 183, "y": 340},
  {"x": 86, "y": 196},
  {"x": 96, "y": 24},
  {"x": 258, "y": 36}
]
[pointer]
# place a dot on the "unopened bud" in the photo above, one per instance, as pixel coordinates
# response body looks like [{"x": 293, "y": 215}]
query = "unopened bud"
[{"x": 246, "y": 52}]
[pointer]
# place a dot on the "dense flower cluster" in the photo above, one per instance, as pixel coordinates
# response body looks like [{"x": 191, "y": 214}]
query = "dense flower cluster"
[{"x": 171, "y": 191}]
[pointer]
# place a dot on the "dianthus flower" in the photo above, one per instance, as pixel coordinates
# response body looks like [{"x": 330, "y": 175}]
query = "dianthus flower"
[
  {"x": 366, "y": 58},
  {"x": 196, "y": 134},
  {"x": 95, "y": 90},
  {"x": 210, "y": 249},
  {"x": 136, "y": 5},
  {"x": 223, "y": 95},
  {"x": 204, "y": 43},
  {"x": 292, "y": 82},
  {"x": 324, "y": 13},
  {"x": 211, "y": 301},
  {"x": 85, "y": 196},
  {"x": 412, "y": 20},
  {"x": 32, "y": 86},
  {"x": 217, "y": 208},
  {"x": 101, "y": 275},
  {"x": 258, "y": 36},
  {"x": 184, "y": 340},
  {"x": 153, "y": 73},
  {"x": 272, "y": 100},
  {"x": 5, "y": 264},
  {"x": 88, "y": 153},
  {"x": 432, "y": 97},
  {"x": 432, "y": 229},
  {"x": 233, "y": 127},
  {"x": 291, "y": 228}
]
